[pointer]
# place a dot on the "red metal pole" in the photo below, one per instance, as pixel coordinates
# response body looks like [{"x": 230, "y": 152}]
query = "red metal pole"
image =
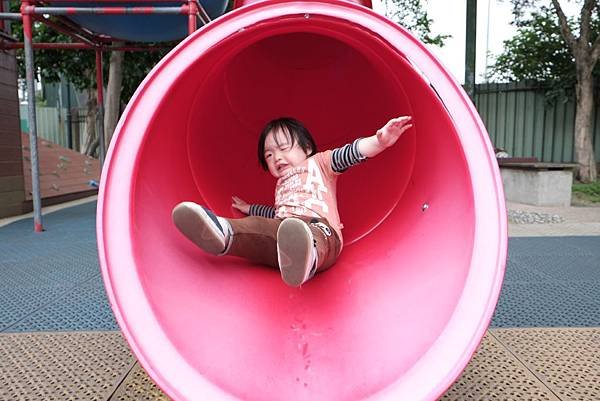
[
  {"x": 100, "y": 116},
  {"x": 1, "y": 11},
  {"x": 192, "y": 11}
]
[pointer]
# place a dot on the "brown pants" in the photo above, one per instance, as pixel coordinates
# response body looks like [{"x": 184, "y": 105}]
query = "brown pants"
[{"x": 255, "y": 238}]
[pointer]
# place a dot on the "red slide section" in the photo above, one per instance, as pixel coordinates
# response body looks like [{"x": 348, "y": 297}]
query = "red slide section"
[{"x": 401, "y": 313}]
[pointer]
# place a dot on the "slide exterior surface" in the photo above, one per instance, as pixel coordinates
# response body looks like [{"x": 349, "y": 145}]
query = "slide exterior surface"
[{"x": 405, "y": 307}]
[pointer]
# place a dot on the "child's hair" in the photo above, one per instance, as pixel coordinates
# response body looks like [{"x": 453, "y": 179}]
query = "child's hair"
[{"x": 295, "y": 132}]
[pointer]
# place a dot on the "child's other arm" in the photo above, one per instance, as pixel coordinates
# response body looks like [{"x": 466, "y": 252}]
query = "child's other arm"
[
  {"x": 385, "y": 137},
  {"x": 262, "y": 211},
  {"x": 253, "y": 210}
]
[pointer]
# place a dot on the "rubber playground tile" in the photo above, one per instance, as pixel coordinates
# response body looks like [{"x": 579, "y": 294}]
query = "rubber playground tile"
[
  {"x": 53, "y": 245},
  {"x": 62, "y": 366},
  {"x": 544, "y": 304},
  {"x": 566, "y": 360},
  {"x": 589, "y": 289},
  {"x": 586, "y": 244},
  {"x": 65, "y": 228},
  {"x": 21, "y": 275},
  {"x": 554, "y": 246},
  {"x": 516, "y": 272},
  {"x": 82, "y": 308},
  {"x": 84, "y": 213},
  {"x": 509, "y": 364},
  {"x": 18, "y": 303},
  {"x": 138, "y": 386},
  {"x": 62, "y": 270},
  {"x": 495, "y": 374},
  {"x": 564, "y": 267}
]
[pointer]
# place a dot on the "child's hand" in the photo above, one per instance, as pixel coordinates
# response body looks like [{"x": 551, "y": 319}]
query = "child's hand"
[
  {"x": 240, "y": 205},
  {"x": 389, "y": 134}
]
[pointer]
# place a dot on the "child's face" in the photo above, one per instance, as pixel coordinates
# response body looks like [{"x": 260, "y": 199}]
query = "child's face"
[{"x": 280, "y": 155}]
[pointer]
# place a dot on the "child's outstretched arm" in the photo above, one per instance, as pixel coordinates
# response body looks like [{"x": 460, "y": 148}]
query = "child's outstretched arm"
[
  {"x": 385, "y": 137},
  {"x": 362, "y": 149}
]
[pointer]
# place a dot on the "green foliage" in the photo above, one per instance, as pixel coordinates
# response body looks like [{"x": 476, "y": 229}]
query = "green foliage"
[
  {"x": 590, "y": 192},
  {"x": 136, "y": 65},
  {"x": 538, "y": 52},
  {"x": 78, "y": 66},
  {"x": 412, "y": 15}
]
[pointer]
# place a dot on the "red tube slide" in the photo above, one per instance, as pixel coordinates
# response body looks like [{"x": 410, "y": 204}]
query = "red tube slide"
[{"x": 401, "y": 313}]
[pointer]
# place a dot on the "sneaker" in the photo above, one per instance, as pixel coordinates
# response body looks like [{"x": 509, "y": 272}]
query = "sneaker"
[
  {"x": 201, "y": 226},
  {"x": 296, "y": 252}
]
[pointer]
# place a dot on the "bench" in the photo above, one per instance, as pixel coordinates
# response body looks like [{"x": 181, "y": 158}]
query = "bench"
[{"x": 529, "y": 181}]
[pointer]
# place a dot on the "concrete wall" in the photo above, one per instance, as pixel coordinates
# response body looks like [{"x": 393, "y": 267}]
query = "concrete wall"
[
  {"x": 12, "y": 192},
  {"x": 537, "y": 187}
]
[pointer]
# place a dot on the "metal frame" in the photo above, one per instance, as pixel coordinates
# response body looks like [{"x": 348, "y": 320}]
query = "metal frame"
[{"x": 36, "y": 11}]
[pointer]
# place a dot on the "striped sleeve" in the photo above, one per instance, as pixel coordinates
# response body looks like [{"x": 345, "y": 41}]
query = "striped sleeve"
[
  {"x": 346, "y": 156},
  {"x": 262, "y": 211}
]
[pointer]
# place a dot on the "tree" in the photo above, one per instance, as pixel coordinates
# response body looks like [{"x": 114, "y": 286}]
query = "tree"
[
  {"x": 126, "y": 70},
  {"x": 113, "y": 93},
  {"x": 538, "y": 52},
  {"x": 412, "y": 15}
]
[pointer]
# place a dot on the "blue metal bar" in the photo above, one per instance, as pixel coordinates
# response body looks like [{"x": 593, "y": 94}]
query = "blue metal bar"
[{"x": 13, "y": 16}]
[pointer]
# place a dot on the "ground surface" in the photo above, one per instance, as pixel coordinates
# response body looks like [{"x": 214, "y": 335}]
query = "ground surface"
[{"x": 59, "y": 340}]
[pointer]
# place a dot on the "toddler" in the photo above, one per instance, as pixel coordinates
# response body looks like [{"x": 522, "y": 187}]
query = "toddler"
[{"x": 302, "y": 233}]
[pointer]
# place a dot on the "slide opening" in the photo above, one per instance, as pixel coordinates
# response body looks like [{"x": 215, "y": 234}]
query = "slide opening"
[{"x": 408, "y": 215}]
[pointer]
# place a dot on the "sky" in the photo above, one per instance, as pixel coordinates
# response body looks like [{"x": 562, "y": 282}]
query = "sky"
[{"x": 493, "y": 27}]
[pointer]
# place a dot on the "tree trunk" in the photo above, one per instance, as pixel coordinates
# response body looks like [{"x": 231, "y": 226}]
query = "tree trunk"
[
  {"x": 91, "y": 139},
  {"x": 584, "y": 150},
  {"x": 113, "y": 94},
  {"x": 586, "y": 53}
]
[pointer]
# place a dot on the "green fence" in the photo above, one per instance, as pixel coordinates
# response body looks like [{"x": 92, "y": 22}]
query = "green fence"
[{"x": 520, "y": 120}]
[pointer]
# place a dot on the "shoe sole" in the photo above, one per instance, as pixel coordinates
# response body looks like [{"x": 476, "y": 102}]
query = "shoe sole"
[
  {"x": 193, "y": 221},
  {"x": 294, "y": 251}
]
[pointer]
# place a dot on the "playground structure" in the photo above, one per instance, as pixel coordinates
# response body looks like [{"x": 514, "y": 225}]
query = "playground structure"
[
  {"x": 392, "y": 320},
  {"x": 95, "y": 26}
]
